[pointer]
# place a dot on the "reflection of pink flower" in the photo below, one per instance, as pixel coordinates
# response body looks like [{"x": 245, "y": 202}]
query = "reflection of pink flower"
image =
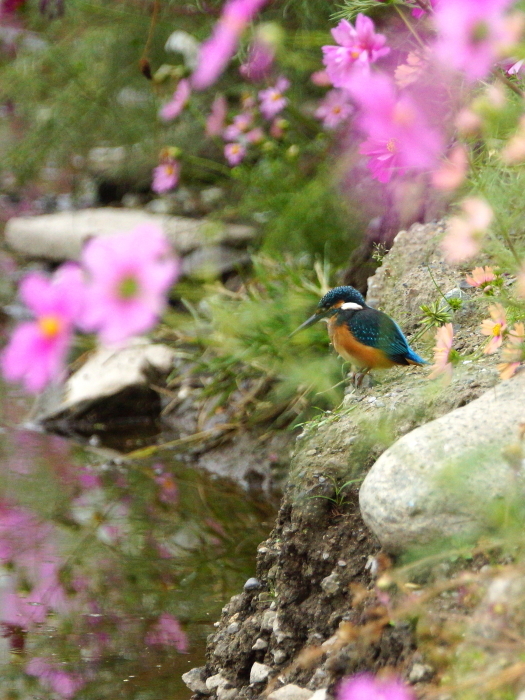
[
  {"x": 395, "y": 126},
  {"x": 216, "y": 51},
  {"x": 37, "y": 350},
  {"x": 481, "y": 276},
  {"x": 365, "y": 687},
  {"x": 442, "y": 350},
  {"x": 358, "y": 47},
  {"x": 165, "y": 176},
  {"x": 177, "y": 103},
  {"x": 234, "y": 153},
  {"x": 470, "y": 34},
  {"x": 272, "y": 100},
  {"x": 334, "y": 109},
  {"x": 217, "y": 116},
  {"x": 465, "y": 232},
  {"x": 168, "y": 632},
  {"x": 259, "y": 62},
  {"x": 58, "y": 681},
  {"x": 495, "y": 327},
  {"x": 130, "y": 274}
]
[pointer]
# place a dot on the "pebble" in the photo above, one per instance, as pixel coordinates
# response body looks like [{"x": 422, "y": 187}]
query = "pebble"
[
  {"x": 259, "y": 673},
  {"x": 321, "y": 694},
  {"x": 268, "y": 619},
  {"x": 291, "y": 692},
  {"x": 260, "y": 644},
  {"x": 330, "y": 584},
  {"x": 341, "y": 562},
  {"x": 279, "y": 656},
  {"x": 420, "y": 672},
  {"x": 194, "y": 680},
  {"x": 226, "y": 693},
  {"x": 233, "y": 628},
  {"x": 252, "y": 584},
  {"x": 213, "y": 682}
]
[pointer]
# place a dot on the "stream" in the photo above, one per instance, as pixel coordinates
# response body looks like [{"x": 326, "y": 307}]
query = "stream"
[{"x": 112, "y": 572}]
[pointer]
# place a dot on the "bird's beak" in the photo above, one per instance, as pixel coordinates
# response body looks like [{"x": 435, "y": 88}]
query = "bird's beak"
[{"x": 310, "y": 322}]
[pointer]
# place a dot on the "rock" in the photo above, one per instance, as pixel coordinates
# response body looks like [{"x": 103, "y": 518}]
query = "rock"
[
  {"x": 441, "y": 479},
  {"x": 213, "y": 682},
  {"x": 123, "y": 374},
  {"x": 233, "y": 628},
  {"x": 194, "y": 679},
  {"x": 60, "y": 236},
  {"x": 279, "y": 656},
  {"x": 260, "y": 644},
  {"x": 331, "y": 584},
  {"x": 252, "y": 584},
  {"x": 268, "y": 618},
  {"x": 213, "y": 261},
  {"x": 227, "y": 692},
  {"x": 321, "y": 694},
  {"x": 291, "y": 692},
  {"x": 420, "y": 672},
  {"x": 259, "y": 673}
]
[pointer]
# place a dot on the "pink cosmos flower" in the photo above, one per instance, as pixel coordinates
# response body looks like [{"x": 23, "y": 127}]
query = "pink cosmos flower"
[
  {"x": 442, "y": 351},
  {"x": 452, "y": 171},
  {"x": 358, "y": 47},
  {"x": 177, "y": 103},
  {"x": 259, "y": 63},
  {"x": 64, "y": 684},
  {"x": 130, "y": 274},
  {"x": 470, "y": 34},
  {"x": 495, "y": 327},
  {"x": 255, "y": 135},
  {"x": 217, "y": 116},
  {"x": 168, "y": 632},
  {"x": 216, "y": 51},
  {"x": 234, "y": 153},
  {"x": 512, "y": 355},
  {"x": 365, "y": 687},
  {"x": 272, "y": 100},
  {"x": 407, "y": 73},
  {"x": 241, "y": 124},
  {"x": 465, "y": 232},
  {"x": 334, "y": 109},
  {"x": 37, "y": 350},
  {"x": 481, "y": 276},
  {"x": 399, "y": 136},
  {"x": 165, "y": 176}
]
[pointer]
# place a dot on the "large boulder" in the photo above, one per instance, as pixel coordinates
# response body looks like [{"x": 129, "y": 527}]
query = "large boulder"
[
  {"x": 60, "y": 236},
  {"x": 446, "y": 478}
]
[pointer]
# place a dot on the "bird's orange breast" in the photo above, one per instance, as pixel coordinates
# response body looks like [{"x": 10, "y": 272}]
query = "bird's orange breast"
[{"x": 355, "y": 352}]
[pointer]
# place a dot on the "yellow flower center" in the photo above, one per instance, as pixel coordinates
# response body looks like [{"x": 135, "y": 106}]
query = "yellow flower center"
[
  {"x": 354, "y": 53},
  {"x": 276, "y": 96},
  {"x": 496, "y": 329},
  {"x": 391, "y": 146},
  {"x": 336, "y": 110},
  {"x": 50, "y": 326}
]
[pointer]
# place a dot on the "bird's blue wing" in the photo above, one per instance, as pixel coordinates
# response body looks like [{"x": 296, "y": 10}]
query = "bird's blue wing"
[{"x": 377, "y": 330}]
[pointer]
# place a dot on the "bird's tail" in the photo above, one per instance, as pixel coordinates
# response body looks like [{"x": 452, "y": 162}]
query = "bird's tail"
[{"x": 413, "y": 358}]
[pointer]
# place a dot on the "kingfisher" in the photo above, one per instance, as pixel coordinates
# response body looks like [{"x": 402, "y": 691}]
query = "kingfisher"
[{"x": 365, "y": 337}]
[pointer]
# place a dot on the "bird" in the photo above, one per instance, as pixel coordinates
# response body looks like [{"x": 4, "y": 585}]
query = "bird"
[{"x": 364, "y": 336}]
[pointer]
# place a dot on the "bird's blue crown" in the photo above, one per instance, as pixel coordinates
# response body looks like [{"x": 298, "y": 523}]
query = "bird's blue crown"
[{"x": 345, "y": 294}]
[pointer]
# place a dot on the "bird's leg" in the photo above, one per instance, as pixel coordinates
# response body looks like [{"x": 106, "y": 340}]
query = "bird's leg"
[{"x": 358, "y": 377}]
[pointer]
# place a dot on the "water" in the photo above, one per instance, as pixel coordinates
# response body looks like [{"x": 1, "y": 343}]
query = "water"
[{"x": 112, "y": 573}]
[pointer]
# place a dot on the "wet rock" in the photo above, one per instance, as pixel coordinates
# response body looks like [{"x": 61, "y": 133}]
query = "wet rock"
[
  {"x": 442, "y": 479},
  {"x": 60, "y": 236},
  {"x": 194, "y": 679},
  {"x": 123, "y": 375},
  {"x": 259, "y": 673},
  {"x": 291, "y": 692}
]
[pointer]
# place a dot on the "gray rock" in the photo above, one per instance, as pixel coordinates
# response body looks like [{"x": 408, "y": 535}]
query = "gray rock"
[
  {"x": 291, "y": 692},
  {"x": 259, "y": 673},
  {"x": 60, "y": 236},
  {"x": 420, "y": 672},
  {"x": 268, "y": 618},
  {"x": 252, "y": 584},
  {"x": 279, "y": 656},
  {"x": 106, "y": 373},
  {"x": 260, "y": 644},
  {"x": 331, "y": 584},
  {"x": 441, "y": 479},
  {"x": 233, "y": 628},
  {"x": 321, "y": 694},
  {"x": 194, "y": 679},
  {"x": 213, "y": 261},
  {"x": 213, "y": 682},
  {"x": 227, "y": 692}
]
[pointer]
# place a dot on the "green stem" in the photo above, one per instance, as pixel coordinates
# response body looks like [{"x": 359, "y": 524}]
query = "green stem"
[
  {"x": 410, "y": 27},
  {"x": 208, "y": 164},
  {"x": 437, "y": 286}
]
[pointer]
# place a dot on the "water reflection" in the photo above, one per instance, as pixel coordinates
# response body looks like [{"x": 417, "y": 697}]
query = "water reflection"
[{"x": 111, "y": 574}]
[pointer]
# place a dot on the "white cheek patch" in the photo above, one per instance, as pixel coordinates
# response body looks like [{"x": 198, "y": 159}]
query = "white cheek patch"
[{"x": 350, "y": 305}]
